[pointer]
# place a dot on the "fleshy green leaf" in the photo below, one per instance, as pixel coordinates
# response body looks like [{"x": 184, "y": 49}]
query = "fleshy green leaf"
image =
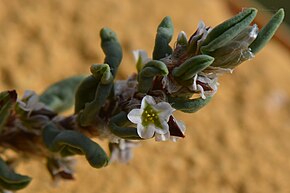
[
  {"x": 226, "y": 31},
  {"x": 117, "y": 123},
  {"x": 102, "y": 72},
  {"x": 88, "y": 116},
  {"x": 163, "y": 38},
  {"x": 10, "y": 180},
  {"x": 150, "y": 70},
  {"x": 192, "y": 66},
  {"x": 61, "y": 95},
  {"x": 268, "y": 31},
  {"x": 188, "y": 105},
  {"x": 56, "y": 140},
  {"x": 112, "y": 49},
  {"x": 85, "y": 92}
]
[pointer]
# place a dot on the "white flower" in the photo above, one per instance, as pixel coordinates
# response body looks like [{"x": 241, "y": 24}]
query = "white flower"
[
  {"x": 122, "y": 151},
  {"x": 162, "y": 137},
  {"x": 151, "y": 118},
  {"x": 206, "y": 83},
  {"x": 141, "y": 58},
  {"x": 170, "y": 85},
  {"x": 30, "y": 102},
  {"x": 176, "y": 131}
]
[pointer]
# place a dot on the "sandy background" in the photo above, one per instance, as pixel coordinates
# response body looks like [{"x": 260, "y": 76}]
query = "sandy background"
[{"x": 238, "y": 143}]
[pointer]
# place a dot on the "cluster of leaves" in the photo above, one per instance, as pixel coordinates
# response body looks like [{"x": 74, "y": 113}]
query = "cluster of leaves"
[{"x": 181, "y": 78}]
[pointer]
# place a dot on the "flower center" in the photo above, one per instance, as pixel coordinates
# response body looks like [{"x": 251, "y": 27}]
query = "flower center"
[{"x": 150, "y": 116}]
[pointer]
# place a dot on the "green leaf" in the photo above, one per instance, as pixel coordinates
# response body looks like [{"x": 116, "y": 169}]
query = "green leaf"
[
  {"x": 117, "y": 123},
  {"x": 61, "y": 95},
  {"x": 163, "y": 38},
  {"x": 56, "y": 140},
  {"x": 102, "y": 72},
  {"x": 226, "y": 31},
  {"x": 85, "y": 92},
  {"x": 150, "y": 70},
  {"x": 268, "y": 31},
  {"x": 112, "y": 49},
  {"x": 10, "y": 180},
  {"x": 192, "y": 66},
  {"x": 188, "y": 105},
  {"x": 88, "y": 115}
]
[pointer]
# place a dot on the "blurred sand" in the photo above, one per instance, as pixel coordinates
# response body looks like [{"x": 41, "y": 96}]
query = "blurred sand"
[{"x": 238, "y": 143}]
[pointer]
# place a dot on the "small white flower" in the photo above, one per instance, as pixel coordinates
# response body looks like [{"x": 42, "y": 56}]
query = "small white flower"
[
  {"x": 122, "y": 151},
  {"x": 170, "y": 85},
  {"x": 162, "y": 137},
  {"x": 141, "y": 58},
  {"x": 151, "y": 118},
  {"x": 176, "y": 131},
  {"x": 208, "y": 77},
  {"x": 30, "y": 102}
]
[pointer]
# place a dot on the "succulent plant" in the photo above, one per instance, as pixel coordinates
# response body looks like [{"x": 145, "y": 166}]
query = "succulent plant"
[{"x": 123, "y": 112}]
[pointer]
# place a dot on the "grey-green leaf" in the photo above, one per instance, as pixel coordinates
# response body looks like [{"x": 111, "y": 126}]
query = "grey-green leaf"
[
  {"x": 267, "y": 32},
  {"x": 85, "y": 92},
  {"x": 117, "y": 123},
  {"x": 102, "y": 72},
  {"x": 61, "y": 95},
  {"x": 150, "y": 70},
  {"x": 112, "y": 49},
  {"x": 56, "y": 140},
  {"x": 10, "y": 180},
  {"x": 188, "y": 105},
  {"x": 192, "y": 66},
  {"x": 163, "y": 38},
  {"x": 227, "y": 30}
]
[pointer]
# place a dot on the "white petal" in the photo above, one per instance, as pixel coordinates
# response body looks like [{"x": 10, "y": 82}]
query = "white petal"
[
  {"x": 141, "y": 54},
  {"x": 162, "y": 137},
  {"x": 174, "y": 139},
  {"x": 147, "y": 100},
  {"x": 135, "y": 116},
  {"x": 28, "y": 93},
  {"x": 164, "y": 129},
  {"x": 145, "y": 132},
  {"x": 201, "y": 26},
  {"x": 200, "y": 88},
  {"x": 33, "y": 99},
  {"x": 181, "y": 126},
  {"x": 194, "y": 82},
  {"x": 170, "y": 85},
  {"x": 165, "y": 110}
]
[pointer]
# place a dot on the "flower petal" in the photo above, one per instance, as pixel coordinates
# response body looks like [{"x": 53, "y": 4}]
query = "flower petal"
[
  {"x": 162, "y": 137},
  {"x": 135, "y": 116},
  {"x": 141, "y": 54},
  {"x": 181, "y": 126},
  {"x": 165, "y": 110},
  {"x": 145, "y": 132},
  {"x": 164, "y": 129},
  {"x": 147, "y": 100}
]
